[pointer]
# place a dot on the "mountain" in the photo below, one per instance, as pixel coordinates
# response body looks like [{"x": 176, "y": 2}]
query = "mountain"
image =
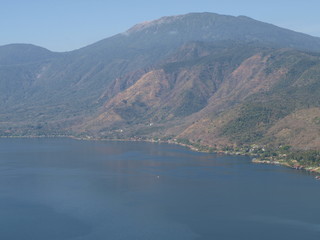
[
  {"x": 232, "y": 94},
  {"x": 211, "y": 79}
]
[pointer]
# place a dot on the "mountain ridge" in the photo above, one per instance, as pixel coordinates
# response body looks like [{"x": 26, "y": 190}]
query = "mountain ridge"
[{"x": 157, "y": 22}]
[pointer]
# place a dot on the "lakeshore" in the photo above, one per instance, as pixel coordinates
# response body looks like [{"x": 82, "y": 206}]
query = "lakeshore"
[
  {"x": 254, "y": 151},
  {"x": 289, "y": 163}
]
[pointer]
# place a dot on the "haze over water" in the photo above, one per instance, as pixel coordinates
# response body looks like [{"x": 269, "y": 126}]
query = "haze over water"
[{"x": 85, "y": 190}]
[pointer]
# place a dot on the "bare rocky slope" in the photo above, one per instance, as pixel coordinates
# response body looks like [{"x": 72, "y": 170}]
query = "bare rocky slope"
[{"x": 246, "y": 95}]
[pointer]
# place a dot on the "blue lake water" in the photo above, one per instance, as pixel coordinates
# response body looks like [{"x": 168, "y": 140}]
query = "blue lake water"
[{"x": 63, "y": 189}]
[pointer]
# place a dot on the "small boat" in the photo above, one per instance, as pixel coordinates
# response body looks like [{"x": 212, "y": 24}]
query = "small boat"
[{"x": 317, "y": 177}]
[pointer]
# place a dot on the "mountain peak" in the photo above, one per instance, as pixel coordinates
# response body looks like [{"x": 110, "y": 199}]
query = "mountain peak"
[
  {"x": 203, "y": 16},
  {"x": 209, "y": 27},
  {"x": 147, "y": 24},
  {"x": 172, "y": 19}
]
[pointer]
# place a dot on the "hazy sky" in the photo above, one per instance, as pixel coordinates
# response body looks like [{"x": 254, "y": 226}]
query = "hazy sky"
[{"x": 62, "y": 25}]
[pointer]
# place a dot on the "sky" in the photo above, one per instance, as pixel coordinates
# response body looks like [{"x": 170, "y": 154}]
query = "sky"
[{"x": 65, "y": 25}]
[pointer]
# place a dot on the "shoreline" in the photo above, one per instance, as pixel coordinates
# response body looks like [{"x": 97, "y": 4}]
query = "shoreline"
[
  {"x": 290, "y": 164},
  {"x": 256, "y": 158}
]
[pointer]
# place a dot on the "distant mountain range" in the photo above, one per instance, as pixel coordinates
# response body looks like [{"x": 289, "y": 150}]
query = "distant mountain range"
[{"x": 211, "y": 79}]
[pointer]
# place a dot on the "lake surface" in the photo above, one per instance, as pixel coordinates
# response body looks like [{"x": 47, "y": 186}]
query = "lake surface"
[{"x": 65, "y": 189}]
